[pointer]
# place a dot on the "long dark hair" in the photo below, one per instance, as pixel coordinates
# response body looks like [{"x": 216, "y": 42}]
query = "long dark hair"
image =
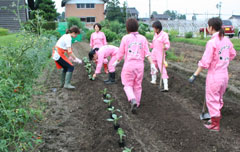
[
  {"x": 73, "y": 29},
  {"x": 157, "y": 25},
  {"x": 91, "y": 53},
  {"x": 216, "y": 24}
]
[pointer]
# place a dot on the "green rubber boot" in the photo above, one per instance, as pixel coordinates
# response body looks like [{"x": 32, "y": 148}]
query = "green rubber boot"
[
  {"x": 68, "y": 78},
  {"x": 63, "y": 79}
]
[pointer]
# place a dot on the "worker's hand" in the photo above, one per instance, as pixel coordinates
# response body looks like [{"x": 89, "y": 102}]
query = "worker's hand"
[
  {"x": 153, "y": 69},
  {"x": 77, "y": 60},
  {"x": 192, "y": 78},
  {"x": 94, "y": 76},
  {"x": 115, "y": 63}
]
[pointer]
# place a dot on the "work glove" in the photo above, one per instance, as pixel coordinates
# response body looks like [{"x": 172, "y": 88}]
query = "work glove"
[
  {"x": 77, "y": 60},
  {"x": 153, "y": 69},
  {"x": 115, "y": 63},
  {"x": 192, "y": 78}
]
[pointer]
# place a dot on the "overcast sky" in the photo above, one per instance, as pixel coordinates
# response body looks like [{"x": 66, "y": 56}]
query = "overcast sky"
[{"x": 203, "y": 7}]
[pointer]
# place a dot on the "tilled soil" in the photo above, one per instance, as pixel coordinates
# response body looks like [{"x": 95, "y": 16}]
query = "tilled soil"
[{"x": 165, "y": 122}]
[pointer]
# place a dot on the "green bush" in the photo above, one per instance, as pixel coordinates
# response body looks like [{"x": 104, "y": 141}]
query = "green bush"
[
  {"x": 49, "y": 33},
  {"x": 111, "y": 36},
  {"x": 88, "y": 34},
  {"x": 74, "y": 21},
  {"x": 188, "y": 35},
  {"x": 50, "y": 25},
  {"x": 143, "y": 28},
  {"x": 172, "y": 34},
  {"x": 149, "y": 36},
  {"x": 3, "y": 31},
  {"x": 236, "y": 30}
]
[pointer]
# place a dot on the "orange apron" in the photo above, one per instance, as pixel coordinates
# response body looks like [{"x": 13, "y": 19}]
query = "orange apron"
[{"x": 62, "y": 55}]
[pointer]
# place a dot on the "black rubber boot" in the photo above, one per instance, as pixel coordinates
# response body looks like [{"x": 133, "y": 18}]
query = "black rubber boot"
[{"x": 111, "y": 78}]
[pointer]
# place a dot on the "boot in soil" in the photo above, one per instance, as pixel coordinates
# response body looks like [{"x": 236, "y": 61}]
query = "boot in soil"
[
  {"x": 154, "y": 78},
  {"x": 111, "y": 79},
  {"x": 63, "y": 79},
  {"x": 165, "y": 85},
  {"x": 133, "y": 106},
  {"x": 215, "y": 124},
  {"x": 68, "y": 78}
]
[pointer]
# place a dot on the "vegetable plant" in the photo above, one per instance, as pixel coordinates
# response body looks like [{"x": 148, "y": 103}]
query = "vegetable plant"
[
  {"x": 109, "y": 102},
  {"x": 112, "y": 110},
  {"x": 104, "y": 92},
  {"x": 127, "y": 149},
  {"x": 91, "y": 77},
  {"x": 115, "y": 121},
  {"x": 121, "y": 134},
  {"x": 85, "y": 60}
]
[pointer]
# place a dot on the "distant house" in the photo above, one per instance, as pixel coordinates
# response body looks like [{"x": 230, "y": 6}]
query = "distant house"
[
  {"x": 156, "y": 17},
  {"x": 88, "y": 11},
  {"x": 132, "y": 12},
  {"x": 236, "y": 17},
  {"x": 7, "y": 18}
]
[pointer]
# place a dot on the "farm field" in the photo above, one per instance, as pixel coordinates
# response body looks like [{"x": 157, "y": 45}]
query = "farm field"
[{"x": 75, "y": 121}]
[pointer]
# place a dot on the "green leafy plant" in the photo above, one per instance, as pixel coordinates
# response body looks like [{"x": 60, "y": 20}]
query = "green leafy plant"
[
  {"x": 189, "y": 35},
  {"x": 85, "y": 60},
  {"x": 121, "y": 134},
  {"x": 3, "y": 31},
  {"x": 74, "y": 21},
  {"x": 91, "y": 77},
  {"x": 108, "y": 96},
  {"x": 127, "y": 149},
  {"x": 114, "y": 119},
  {"x": 112, "y": 110},
  {"x": 104, "y": 91},
  {"x": 108, "y": 101}
]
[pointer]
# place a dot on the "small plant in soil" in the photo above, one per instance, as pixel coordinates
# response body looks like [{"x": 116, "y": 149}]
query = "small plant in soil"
[
  {"x": 104, "y": 92},
  {"x": 90, "y": 77},
  {"x": 112, "y": 110},
  {"x": 127, "y": 149},
  {"x": 108, "y": 96},
  {"x": 85, "y": 60},
  {"x": 121, "y": 134},
  {"x": 109, "y": 102},
  {"x": 115, "y": 119}
]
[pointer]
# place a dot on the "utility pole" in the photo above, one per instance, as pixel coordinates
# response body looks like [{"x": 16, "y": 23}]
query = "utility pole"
[
  {"x": 149, "y": 13},
  {"x": 219, "y": 6}
]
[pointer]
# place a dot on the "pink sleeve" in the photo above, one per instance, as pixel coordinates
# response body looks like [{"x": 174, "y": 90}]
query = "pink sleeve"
[
  {"x": 99, "y": 63},
  {"x": 207, "y": 56},
  {"x": 232, "y": 53},
  {"x": 146, "y": 49},
  {"x": 104, "y": 39},
  {"x": 121, "y": 50},
  {"x": 91, "y": 40},
  {"x": 166, "y": 42}
]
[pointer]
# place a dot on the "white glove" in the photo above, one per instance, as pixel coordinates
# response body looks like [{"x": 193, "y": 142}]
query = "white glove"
[
  {"x": 77, "y": 60},
  {"x": 115, "y": 63},
  {"x": 153, "y": 69}
]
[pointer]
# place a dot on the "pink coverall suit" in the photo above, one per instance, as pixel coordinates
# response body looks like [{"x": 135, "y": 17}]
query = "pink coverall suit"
[
  {"x": 216, "y": 59},
  {"x": 103, "y": 53},
  {"x": 97, "y": 40},
  {"x": 158, "y": 42},
  {"x": 134, "y": 48}
]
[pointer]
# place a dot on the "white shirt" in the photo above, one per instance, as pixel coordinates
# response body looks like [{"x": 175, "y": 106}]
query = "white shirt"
[{"x": 64, "y": 42}]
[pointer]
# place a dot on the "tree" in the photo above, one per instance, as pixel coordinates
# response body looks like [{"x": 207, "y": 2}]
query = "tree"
[
  {"x": 48, "y": 9},
  {"x": 172, "y": 14},
  {"x": 114, "y": 12},
  {"x": 154, "y": 13},
  {"x": 181, "y": 16},
  {"x": 194, "y": 17}
]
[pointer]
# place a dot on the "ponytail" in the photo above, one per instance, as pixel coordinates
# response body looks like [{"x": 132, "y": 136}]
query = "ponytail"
[
  {"x": 73, "y": 29},
  {"x": 221, "y": 33}
]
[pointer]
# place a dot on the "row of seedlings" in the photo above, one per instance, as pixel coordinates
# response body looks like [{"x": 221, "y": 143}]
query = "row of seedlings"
[
  {"x": 107, "y": 98},
  {"x": 88, "y": 67}
]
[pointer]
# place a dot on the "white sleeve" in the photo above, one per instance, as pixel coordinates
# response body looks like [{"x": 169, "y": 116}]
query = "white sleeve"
[{"x": 68, "y": 42}]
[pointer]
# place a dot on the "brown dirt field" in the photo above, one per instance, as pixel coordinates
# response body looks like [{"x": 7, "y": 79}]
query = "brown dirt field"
[{"x": 165, "y": 122}]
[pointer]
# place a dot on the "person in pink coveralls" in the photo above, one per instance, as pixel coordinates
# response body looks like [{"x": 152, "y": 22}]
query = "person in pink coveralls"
[
  {"x": 97, "y": 40},
  {"x": 159, "y": 44},
  {"x": 134, "y": 49},
  {"x": 103, "y": 53},
  {"x": 219, "y": 52}
]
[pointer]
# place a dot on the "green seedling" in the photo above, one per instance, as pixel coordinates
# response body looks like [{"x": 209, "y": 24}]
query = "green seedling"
[
  {"x": 85, "y": 60},
  {"x": 89, "y": 70},
  {"x": 90, "y": 77},
  {"x": 115, "y": 119},
  {"x": 88, "y": 65},
  {"x": 108, "y": 101},
  {"x": 104, "y": 92},
  {"x": 108, "y": 96},
  {"x": 120, "y": 132},
  {"x": 127, "y": 149},
  {"x": 112, "y": 110}
]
